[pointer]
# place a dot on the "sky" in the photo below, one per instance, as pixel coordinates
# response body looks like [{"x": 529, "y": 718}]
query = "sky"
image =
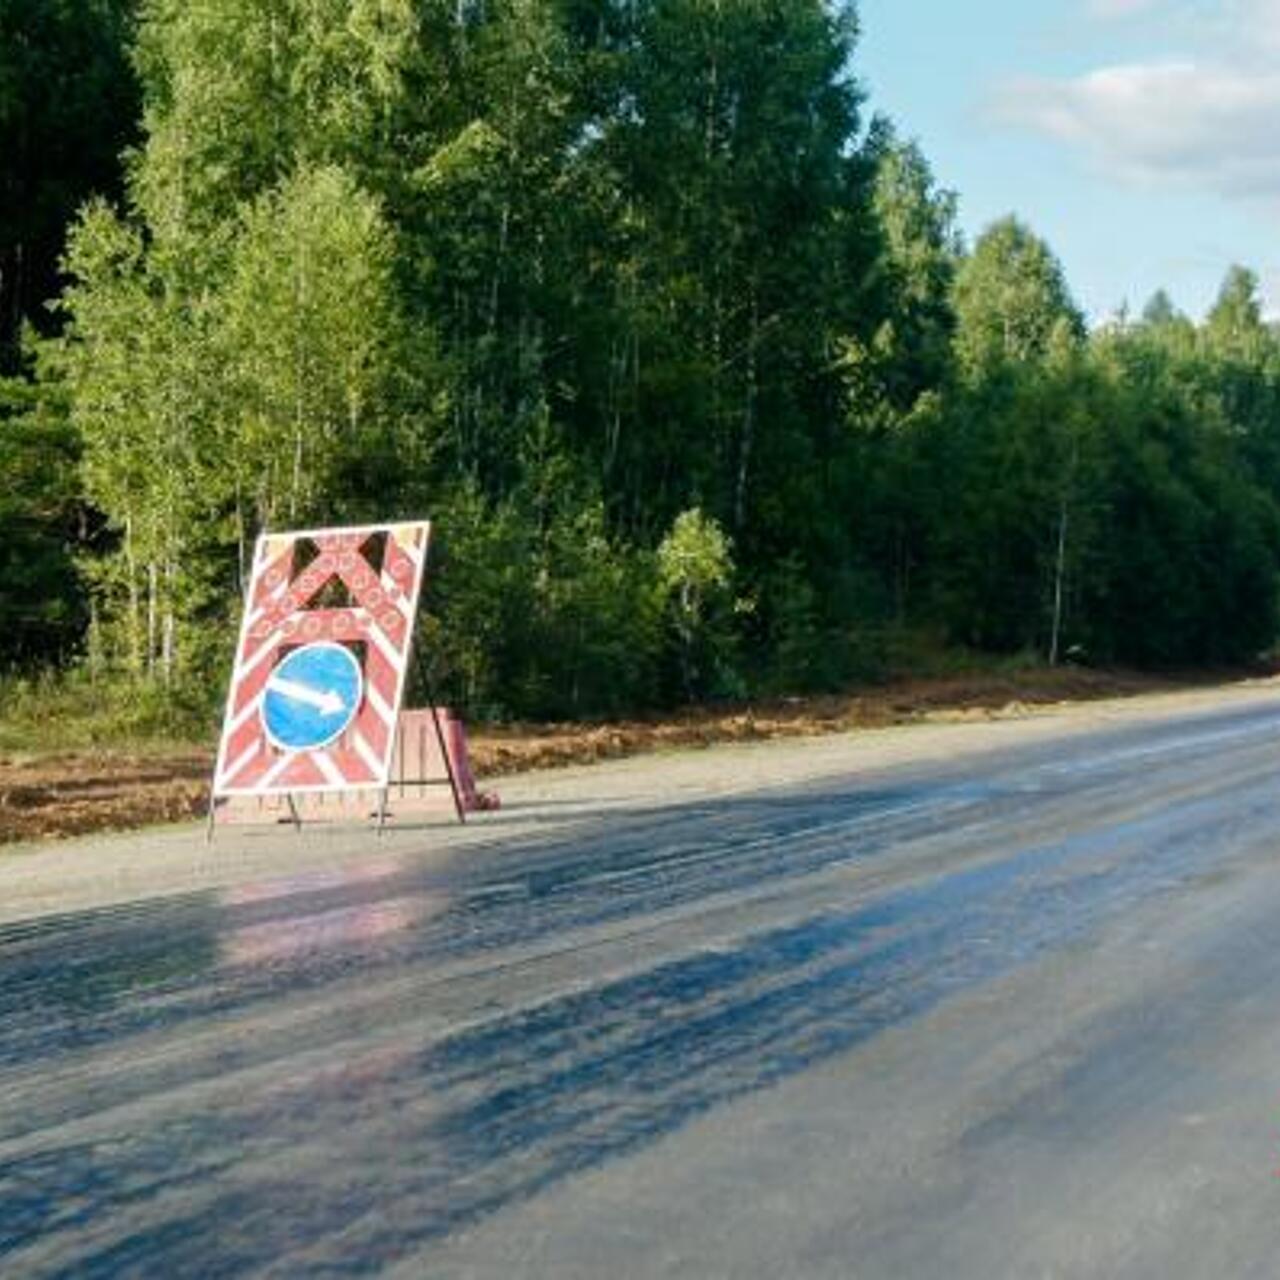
[{"x": 1140, "y": 138}]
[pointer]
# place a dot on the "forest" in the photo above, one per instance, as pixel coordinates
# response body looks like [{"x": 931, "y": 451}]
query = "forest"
[{"x": 671, "y": 334}]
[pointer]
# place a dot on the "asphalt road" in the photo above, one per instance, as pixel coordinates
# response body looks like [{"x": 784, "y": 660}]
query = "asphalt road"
[{"x": 1002, "y": 1012}]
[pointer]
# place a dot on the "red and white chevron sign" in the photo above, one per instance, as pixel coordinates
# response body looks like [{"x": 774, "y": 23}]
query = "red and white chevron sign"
[{"x": 315, "y": 594}]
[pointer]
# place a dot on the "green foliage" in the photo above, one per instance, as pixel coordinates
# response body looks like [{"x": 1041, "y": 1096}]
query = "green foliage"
[
  {"x": 525, "y": 622},
  {"x": 239, "y": 92},
  {"x": 1116, "y": 499},
  {"x": 592, "y": 643},
  {"x": 478, "y": 596},
  {"x": 691, "y": 370},
  {"x": 695, "y": 577},
  {"x": 68, "y": 106},
  {"x": 1010, "y": 296},
  {"x": 916, "y": 271},
  {"x": 41, "y": 602},
  {"x": 309, "y": 332},
  {"x": 73, "y": 711}
]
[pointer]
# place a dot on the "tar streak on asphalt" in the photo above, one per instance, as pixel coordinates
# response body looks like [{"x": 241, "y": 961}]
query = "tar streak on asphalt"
[{"x": 320, "y": 1153}]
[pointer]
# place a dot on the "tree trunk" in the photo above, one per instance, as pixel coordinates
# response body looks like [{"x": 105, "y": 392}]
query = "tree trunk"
[
  {"x": 242, "y": 566},
  {"x": 11, "y": 287},
  {"x": 747, "y": 437},
  {"x": 1059, "y": 574},
  {"x": 902, "y": 571},
  {"x": 95, "y": 641},
  {"x": 135, "y": 604},
  {"x": 299, "y": 377},
  {"x": 169, "y": 628},
  {"x": 1060, "y": 559},
  {"x": 613, "y": 427},
  {"x": 152, "y": 616}
]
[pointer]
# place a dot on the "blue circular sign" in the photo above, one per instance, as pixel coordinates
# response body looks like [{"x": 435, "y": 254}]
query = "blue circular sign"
[{"x": 312, "y": 696}]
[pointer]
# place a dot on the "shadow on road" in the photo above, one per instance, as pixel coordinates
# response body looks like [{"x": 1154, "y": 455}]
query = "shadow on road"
[{"x": 198, "y": 1119}]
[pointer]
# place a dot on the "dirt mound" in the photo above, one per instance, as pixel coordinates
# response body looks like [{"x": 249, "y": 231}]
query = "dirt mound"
[{"x": 74, "y": 793}]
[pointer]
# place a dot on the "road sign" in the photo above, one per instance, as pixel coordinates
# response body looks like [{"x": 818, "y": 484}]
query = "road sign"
[
  {"x": 320, "y": 664},
  {"x": 312, "y": 696}
]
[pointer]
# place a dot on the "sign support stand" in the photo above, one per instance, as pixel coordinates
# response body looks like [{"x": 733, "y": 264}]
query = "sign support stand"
[
  {"x": 318, "y": 679},
  {"x": 424, "y": 675},
  {"x": 315, "y": 703}
]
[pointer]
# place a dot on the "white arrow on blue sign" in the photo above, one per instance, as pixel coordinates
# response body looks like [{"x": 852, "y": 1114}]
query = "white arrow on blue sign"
[{"x": 312, "y": 696}]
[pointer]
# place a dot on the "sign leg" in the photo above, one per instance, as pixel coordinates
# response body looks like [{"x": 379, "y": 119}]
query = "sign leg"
[
  {"x": 424, "y": 673},
  {"x": 293, "y": 812},
  {"x": 458, "y": 807}
]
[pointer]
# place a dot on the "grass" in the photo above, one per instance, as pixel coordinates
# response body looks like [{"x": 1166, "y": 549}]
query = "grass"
[
  {"x": 70, "y": 711},
  {"x": 52, "y": 713}
]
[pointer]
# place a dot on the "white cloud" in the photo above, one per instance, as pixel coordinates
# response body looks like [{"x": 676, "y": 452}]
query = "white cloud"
[
  {"x": 1215, "y": 125},
  {"x": 1210, "y": 120},
  {"x": 1251, "y": 26},
  {"x": 1119, "y": 8}
]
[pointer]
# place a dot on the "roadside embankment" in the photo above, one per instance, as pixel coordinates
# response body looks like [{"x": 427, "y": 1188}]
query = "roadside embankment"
[{"x": 45, "y": 795}]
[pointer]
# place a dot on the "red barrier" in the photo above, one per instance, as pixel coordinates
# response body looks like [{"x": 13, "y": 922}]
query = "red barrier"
[
  {"x": 418, "y": 763},
  {"x": 456, "y": 739}
]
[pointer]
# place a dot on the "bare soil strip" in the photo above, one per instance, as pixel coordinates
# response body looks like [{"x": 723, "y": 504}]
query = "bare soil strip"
[{"x": 46, "y": 796}]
